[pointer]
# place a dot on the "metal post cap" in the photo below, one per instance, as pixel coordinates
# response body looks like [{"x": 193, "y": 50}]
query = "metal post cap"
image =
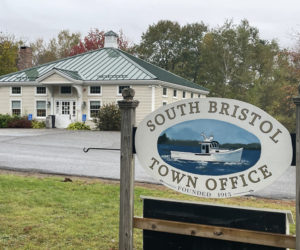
[{"x": 128, "y": 93}]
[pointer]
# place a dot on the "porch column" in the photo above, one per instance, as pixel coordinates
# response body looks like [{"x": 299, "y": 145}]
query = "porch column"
[
  {"x": 79, "y": 102},
  {"x": 50, "y": 90},
  {"x": 152, "y": 98}
]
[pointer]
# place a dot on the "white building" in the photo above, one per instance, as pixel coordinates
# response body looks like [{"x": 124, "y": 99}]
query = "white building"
[{"x": 75, "y": 87}]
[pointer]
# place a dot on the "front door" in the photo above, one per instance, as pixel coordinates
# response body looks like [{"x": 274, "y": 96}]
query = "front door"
[{"x": 65, "y": 113}]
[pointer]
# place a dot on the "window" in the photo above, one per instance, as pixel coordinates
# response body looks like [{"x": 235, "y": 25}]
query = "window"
[
  {"x": 95, "y": 90},
  {"x": 121, "y": 88},
  {"x": 57, "y": 107},
  {"x": 164, "y": 103},
  {"x": 74, "y": 109},
  {"x": 192, "y": 95},
  {"x": 94, "y": 108},
  {"x": 165, "y": 91},
  {"x": 65, "y": 89},
  {"x": 40, "y": 108},
  {"x": 16, "y": 107},
  {"x": 40, "y": 90},
  {"x": 199, "y": 95},
  {"x": 183, "y": 94},
  {"x": 174, "y": 93},
  {"x": 65, "y": 107},
  {"x": 16, "y": 90}
]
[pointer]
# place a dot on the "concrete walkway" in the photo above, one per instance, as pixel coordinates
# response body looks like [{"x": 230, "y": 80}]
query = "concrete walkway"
[{"x": 60, "y": 151}]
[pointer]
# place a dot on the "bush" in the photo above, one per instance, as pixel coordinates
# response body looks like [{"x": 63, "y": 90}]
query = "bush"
[
  {"x": 5, "y": 120},
  {"x": 78, "y": 126},
  {"x": 38, "y": 124},
  {"x": 19, "y": 122},
  {"x": 8, "y": 121},
  {"x": 109, "y": 118}
]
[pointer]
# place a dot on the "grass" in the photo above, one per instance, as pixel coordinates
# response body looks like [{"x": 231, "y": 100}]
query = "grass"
[{"x": 42, "y": 212}]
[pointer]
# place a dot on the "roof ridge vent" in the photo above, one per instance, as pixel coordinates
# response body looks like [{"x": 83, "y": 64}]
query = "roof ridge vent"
[{"x": 111, "y": 40}]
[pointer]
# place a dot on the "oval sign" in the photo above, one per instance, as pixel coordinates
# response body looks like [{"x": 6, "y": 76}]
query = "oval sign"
[{"x": 213, "y": 147}]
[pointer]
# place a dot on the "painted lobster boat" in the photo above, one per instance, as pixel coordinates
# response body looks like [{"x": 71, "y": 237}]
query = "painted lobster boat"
[{"x": 210, "y": 152}]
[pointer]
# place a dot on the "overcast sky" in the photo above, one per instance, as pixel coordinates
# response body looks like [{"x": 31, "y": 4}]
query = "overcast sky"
[{"x": 32, "y": 19}]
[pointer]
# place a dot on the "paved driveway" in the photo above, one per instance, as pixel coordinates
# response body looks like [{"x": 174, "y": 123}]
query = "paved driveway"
[{"x": 60, "y": 151}]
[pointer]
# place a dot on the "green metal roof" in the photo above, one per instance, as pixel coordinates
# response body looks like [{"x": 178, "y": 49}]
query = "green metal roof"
[
  {"x": 163, "y": 74},
  {"x": 101, "y": 65}
]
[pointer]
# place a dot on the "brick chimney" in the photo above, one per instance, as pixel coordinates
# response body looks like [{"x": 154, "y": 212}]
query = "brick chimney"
[{"x": 25, "y": 58}]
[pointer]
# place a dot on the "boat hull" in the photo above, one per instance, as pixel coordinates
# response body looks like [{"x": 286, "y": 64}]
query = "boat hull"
[{"x": 224, "y": 156}]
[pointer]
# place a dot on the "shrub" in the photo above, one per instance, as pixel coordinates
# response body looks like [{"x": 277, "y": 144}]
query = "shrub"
[
  {"x": 38, "y": 124},
  {"x": 19, "y": 122},
  {"x": 4, "y": 120},
  {"x": 109, "y": 118},
  {"x": 78, "y": 126}
]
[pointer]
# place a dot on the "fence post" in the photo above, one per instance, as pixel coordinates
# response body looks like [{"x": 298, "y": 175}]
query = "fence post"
[
  {"x": 297, "y": 102},
  {"x": 127, "y": 107}
]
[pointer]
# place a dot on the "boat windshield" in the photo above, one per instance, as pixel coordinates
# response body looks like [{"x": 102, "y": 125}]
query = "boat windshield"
[{"x": 215, "y": 144}]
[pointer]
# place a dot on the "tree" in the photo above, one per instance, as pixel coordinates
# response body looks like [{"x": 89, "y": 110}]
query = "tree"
[
  {"x": 9, "y": 48},
  {"x": 95, "y": 40},
  {"x": 69, "y": 44},
  {"x": 55, "y": 49},
  {"x": 240, "y": 65},
  {"x": 160, "y": 45},
  {"x": 286, "y": 78},
  {"x": 41, "y": 53},
  {"x": 232, "y": 61},
  {"x": 173, "y": 47},
  {"x": 190, "y": 62},
  {"x": 235, "y": 59}
]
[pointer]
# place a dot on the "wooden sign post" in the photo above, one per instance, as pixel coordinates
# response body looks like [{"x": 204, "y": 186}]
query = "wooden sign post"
[
  {"x": 153, "y": 129},
  {"x": 297, "y": 102},
  {"x": 127, "y": 107}
]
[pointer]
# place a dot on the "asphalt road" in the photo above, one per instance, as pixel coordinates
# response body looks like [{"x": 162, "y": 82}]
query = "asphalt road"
[{"x": 60, "y": 151}]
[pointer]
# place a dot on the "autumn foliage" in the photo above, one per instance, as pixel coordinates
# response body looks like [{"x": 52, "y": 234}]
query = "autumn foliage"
[{"x": 95, "y": 40}]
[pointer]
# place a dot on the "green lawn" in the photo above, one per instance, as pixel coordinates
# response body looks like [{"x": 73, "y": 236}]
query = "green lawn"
[{"x": 42, "y": 212}]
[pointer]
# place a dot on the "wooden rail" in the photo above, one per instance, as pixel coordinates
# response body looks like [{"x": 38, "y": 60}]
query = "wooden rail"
[{"x": 215, "y": 232}]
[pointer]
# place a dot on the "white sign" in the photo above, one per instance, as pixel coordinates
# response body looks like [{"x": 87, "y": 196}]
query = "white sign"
[{"x": 213, "y": 147}]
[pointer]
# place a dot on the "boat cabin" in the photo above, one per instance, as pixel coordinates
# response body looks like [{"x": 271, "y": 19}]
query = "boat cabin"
[{"x": 209, "y": 147}]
